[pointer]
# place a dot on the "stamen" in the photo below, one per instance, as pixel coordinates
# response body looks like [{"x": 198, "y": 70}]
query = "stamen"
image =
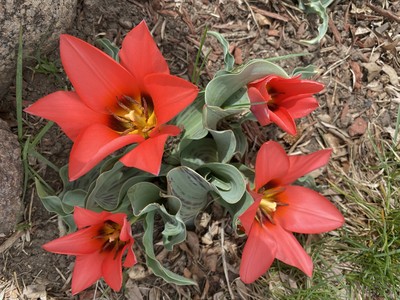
[
  {"x": 123, "y": 106},
  {"x": 145, "y": 110}
]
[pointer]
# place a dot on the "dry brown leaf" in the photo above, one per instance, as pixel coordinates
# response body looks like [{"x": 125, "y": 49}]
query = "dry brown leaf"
[
  {"x": 132, "y": 290},
  {"x": 355, "y": 67},
  {"x": 204, "y": 219},
  {"x": 393, "y": 77},
  {"x": 211, "y": 262},
  {"x": 373, "y": 70},
  {"x": 154, "y": 293},
  {"x": 334, "y": 143},
  {"x": 193, "y": 243},
  {"x": 262, "y": 20}
]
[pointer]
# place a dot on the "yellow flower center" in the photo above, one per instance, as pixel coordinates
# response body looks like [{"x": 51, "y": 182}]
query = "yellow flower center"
[
  {"x": 110, "y": 233},
  {"x": 269, "y": 204},
  {"x": 134, "y": 117}
]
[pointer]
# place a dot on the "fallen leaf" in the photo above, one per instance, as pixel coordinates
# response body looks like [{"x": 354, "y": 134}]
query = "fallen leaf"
[
  {"x": 393, "y": 77},
  {"x": 132, "y": 290},
  {"x": 373, "y": 70}
]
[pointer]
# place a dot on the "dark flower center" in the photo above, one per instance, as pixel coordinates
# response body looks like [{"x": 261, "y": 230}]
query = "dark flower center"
[
  {"x": 273, "y": 93},
  {"x": 110, "y": 233},
  {"x": 132, "y": 116}
]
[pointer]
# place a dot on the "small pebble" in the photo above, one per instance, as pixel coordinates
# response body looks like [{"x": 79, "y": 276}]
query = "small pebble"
[{"x": 125, "y": 23}]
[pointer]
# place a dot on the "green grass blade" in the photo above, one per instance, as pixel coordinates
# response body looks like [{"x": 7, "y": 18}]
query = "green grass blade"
[
  {"x": 18, "y": 84},
  {"x": 41, "y": 133}
]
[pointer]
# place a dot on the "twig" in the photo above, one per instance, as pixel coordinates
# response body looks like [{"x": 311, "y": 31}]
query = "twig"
[
  {"x": 253, "y": 15},
  {"x": 334, "y": 30},
  {"x": 224, "y": 260},
  {"x": 384, "y": 13},
  {"x": 11, "y": 240}
]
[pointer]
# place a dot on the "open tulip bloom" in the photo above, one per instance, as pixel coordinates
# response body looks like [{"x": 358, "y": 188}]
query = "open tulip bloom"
[
  {"x": 99, "y": 245},
  {"x": 116, "y": 104},
  {"x": 286, "y": 99},
  {"x": 280, "y": 208}
]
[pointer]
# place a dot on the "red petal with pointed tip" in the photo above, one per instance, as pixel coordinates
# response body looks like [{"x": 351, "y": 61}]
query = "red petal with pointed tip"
[
  {"x": 140, "y": 54},
  {"x": 130, "y": 259},
  {"x": 126, "y": 231},
  {"x": 148, "y": 154},
  {"x": 294, "y": 86},
  {"x": 247, "y": 218},
  {"x": 77, "y": 243},
  {"x": 299, "y": 106},
  {"x": 112, "y": 270},
  {"x": 258, "y": 254},
  {"x": 260, "y": 111},
  {"x": 289, "y": 249},
  {"x": 272, "y": 163},
  {"x": 54, "y": 107},
  {"x": 300, "y": 165},
  {"x": 307, "y": 211},
  {"x": 170, "y": 95},
  {"x": 96, "y": 77},
  {"x": 284, "y": 120},
  {"x": 87, "y": 270},
  {"x": 93, "y": 145}
]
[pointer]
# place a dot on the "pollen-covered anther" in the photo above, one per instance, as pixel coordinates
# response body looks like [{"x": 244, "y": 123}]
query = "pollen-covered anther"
[{"x": 134, "y": 116}]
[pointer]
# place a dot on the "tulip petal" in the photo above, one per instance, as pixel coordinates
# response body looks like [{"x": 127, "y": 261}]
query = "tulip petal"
[
  {"x": 93, "y": 145},
  {"x": 247, "y": 218},
  {"x": 289, "y": 249},
  {"x": 300, "y": 165},
  {"x": 147, "y": 155},
  {"x": 130, "y": 259},
  {"x": 272, "y": 163},
  {"x": 87, "y": 271},
  {"x": 77, "y": 243},
  {"x": 85, "y": 217},
  {"x": 258, "y": 254},
  {"x": 119, "y": 218},
  {"x": 299, "y": 106},
  {"x": 112, "y": 270},
  {"x": 96, "y": 77},
  {"x": 307, "y": 211},
  {"x": 78, "y": 118},
  {"x": 284, "y": 120},
  {"x": 260, "y": 111},
  {"x": 170, "y": 95},
  {"x": 126, "y": 231},
  {"x": 294, "y": 86},
  {"x": 140, "y": 54}
]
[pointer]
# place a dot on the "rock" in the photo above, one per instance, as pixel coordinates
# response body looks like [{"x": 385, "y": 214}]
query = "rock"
[
  {"x": 42, "y": 22},
  {"x": 358, "y": 127},
  {"x": 11, "y": 207}
]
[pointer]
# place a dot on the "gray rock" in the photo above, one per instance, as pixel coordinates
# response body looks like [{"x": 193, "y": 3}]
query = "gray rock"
[
  {"x": 11, "y": 206},
  {"x": 42, "y": 22}
]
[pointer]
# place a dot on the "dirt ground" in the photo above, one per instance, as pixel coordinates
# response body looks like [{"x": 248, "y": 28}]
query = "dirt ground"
[{"x": 358, "y": 60}]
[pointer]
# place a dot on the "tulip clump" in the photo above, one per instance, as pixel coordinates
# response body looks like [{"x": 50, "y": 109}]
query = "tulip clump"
[{"x": 148, "y": 143}]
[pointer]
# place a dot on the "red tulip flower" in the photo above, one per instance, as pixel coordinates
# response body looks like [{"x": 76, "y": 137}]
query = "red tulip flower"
[
  {"x": 280, "y": 208},
  {"x": 116, "y": 104},
  {"x": 99, "y": 244},
  {"x": 286, "y": 99}
]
